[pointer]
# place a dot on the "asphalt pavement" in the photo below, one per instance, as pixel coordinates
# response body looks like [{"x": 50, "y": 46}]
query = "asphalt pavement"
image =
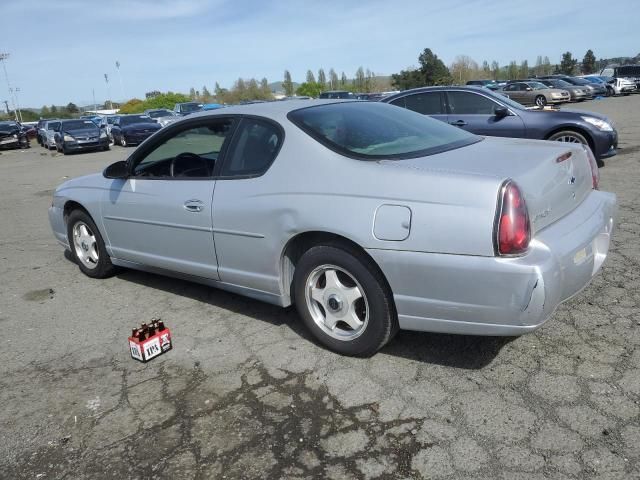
[{"x": 246, "y": 393}]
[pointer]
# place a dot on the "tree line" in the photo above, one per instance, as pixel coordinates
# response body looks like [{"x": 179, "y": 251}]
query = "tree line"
[{"x": 433, "y": 71}]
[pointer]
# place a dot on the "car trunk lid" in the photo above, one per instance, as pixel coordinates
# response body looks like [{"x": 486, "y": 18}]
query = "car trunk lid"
[{"x": 554, "y": 177}]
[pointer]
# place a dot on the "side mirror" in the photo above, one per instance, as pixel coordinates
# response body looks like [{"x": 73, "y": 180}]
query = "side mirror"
[
  {"x": 117, "y": 170},
  {"x": 529, "y": 89},
  {"x": 500, "y": 112}
]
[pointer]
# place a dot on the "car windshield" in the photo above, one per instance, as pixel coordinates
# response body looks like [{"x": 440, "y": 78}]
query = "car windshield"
[
  {"x": 561, "y": 83},
  {"x": 110, "y": 120},
  {"x": 79, "y": 124},
  {"x": 129, "y": 120},
  {"x": 190, "y": 107},
  {"x": 53, "y": 125},
  {"x": 159, "y": 113},
  {"x": 537, "y": 85},
  {"x": 594, "y": 79},
  {"x": 580, "y": 81},
  {"x": 378, "y": 130}
]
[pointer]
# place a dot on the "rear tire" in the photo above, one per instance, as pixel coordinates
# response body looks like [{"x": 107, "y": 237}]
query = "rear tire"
[
  {"x": 87, "y": 246},
  {"x": 344, "y": 300}
]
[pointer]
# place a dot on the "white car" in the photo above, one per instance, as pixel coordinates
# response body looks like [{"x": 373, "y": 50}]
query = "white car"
[{"x": 47, "y": 132}]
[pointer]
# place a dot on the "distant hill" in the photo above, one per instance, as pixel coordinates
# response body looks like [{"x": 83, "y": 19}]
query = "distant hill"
[{"x": 276, "y": 87}]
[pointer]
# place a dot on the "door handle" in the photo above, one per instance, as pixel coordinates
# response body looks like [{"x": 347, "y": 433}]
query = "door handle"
[
  {"x": 193, "y": 205},
  {"x": 459, "y": 123}
]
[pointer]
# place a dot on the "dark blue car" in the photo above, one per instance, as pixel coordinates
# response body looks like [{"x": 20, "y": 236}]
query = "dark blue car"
[{"x": 484, "y": 112}]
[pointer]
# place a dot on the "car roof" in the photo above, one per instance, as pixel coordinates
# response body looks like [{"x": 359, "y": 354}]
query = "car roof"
[{"x": 269, "y": 109}]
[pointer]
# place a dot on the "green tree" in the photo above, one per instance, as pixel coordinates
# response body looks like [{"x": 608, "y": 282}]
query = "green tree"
[
  {"x": 512, "y": 70},
  {"x": 72, "y": 108},
  {"x": 310, "y": 89},
  {"x": 310, "y": 77},
  {"x": 192, "y": 93},
  {"x": 287, "y": 85},
  {"x": 135, "y": 105},
  {"x": 486, "y": 69},
  {"x": 589, "y": 62},
  {"x": 343, "y": 81},
  {"x": 333, "y": 79},
  {"x": 265, "y": 91},
  {"x": 568, "y": 64},
  {"x": 538, "y": 69},
  {"x": 547, "y": 69},
  {"x": 524, "y": 69},
  {"x": 495, "y": 70},
  {"x": 359, "y": 80},
  {"x": 206, "y": 94},
  {"x": 322, "y": 79},
  {"x": 53, "y": 109},
  {"x": 45, "y": 112},
  {"x": 432, "y": 71}
]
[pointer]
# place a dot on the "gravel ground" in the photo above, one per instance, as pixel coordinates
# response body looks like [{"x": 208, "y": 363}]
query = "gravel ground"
[{"x": 245, "y": 393}]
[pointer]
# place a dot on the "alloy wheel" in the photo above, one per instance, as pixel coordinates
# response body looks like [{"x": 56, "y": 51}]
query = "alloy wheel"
[
  {"x": 85, "y": 245},
  {"x": 337, "y": 302}
]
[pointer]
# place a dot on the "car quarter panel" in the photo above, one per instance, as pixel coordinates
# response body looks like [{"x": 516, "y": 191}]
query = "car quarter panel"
[{"x": 311, "y": 188}]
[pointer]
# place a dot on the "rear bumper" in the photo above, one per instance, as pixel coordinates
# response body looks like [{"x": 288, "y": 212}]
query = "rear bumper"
[{"x": 501, "y": 296}]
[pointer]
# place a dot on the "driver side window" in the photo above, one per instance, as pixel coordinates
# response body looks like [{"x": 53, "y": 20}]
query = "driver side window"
[{"x": 188, "y": 153}]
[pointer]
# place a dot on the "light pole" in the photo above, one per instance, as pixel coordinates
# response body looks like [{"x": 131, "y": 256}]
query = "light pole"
[
  {"x": 3, "y": 58},
  {"x": 17, "y": 92},
  {"x": 120, "y": 78},
  {"x": 106, "y": 80}
]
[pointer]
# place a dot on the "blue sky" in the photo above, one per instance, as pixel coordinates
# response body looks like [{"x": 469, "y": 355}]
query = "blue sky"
[{"x": 60, "y": 50}]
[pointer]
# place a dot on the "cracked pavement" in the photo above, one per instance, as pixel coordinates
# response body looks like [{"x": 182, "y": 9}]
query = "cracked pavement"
[{"x": 245, "y": 393}]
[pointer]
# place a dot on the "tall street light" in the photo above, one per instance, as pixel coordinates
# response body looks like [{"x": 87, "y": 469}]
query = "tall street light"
[
  {"x": 120, "y": 78},
  {"x": 106, "y": 80},
  {"x": 3, "y": 58}
]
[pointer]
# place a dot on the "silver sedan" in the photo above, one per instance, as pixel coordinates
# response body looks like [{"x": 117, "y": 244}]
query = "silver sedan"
[{"x": 368, "y": 217}]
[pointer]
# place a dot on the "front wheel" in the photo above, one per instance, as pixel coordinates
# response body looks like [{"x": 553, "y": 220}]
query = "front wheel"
[
  {"x": 123, "y": 141},
  {"x": 569, "y": 136},
  {"x": 344, "y": 300},
  {"x": 87, "y": 246},
  {"x": 541, "y": 100}
]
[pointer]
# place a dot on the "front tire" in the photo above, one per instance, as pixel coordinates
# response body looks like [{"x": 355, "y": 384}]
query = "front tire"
[
  {"x": 123, "y": 141},
  {"x": 541, "y": 100},
  {"x": 343, "y": 300},
  {"x": 87, "y": 246}
]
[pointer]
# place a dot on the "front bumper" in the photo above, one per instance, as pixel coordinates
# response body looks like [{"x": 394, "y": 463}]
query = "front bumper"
[
  {"x": 136, "y": 137},
  {"x": 605, "y": 143},
  {"x": 496, "y": 295},
  {"x": 87, "y": 145}
]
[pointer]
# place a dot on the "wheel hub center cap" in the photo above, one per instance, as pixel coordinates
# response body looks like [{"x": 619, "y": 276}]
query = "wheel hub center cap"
[
  {"x": 334, "y": 303},
  {"x": 85, "y": 247}
]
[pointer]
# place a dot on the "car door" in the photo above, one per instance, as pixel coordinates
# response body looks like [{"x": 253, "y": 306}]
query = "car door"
[
  {"x": 426, "y": 103},
  {"x": 161, "y": 215},
  {"x": 245, "y": 229},
  {"x": 475, "y": 113},
  {"x": 514, "y": 91}
]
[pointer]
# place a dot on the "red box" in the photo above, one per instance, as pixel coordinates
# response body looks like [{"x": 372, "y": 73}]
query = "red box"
[{"x": 151, "y": 347}]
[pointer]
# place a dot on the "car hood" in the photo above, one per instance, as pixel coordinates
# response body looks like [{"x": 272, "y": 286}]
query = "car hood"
[
  {"x": 5, "y": 133},
  {"x": 82, "y": 131},
  {"x": 141, "y": 126}
]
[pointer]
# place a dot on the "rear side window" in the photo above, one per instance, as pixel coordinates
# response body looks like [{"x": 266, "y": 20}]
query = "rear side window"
[
  {"x": 254, "y": 147},
  {"x": 424, "y": 103},
  {"x": 467, "y": 103}
]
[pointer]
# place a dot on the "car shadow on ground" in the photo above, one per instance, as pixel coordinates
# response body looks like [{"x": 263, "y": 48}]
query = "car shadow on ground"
[{"x": 458, "y": 351}]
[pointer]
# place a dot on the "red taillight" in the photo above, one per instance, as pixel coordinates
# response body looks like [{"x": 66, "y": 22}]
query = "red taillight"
[
  {"x": 595, "y": 173},
  {"x": 513, "y": 228}
]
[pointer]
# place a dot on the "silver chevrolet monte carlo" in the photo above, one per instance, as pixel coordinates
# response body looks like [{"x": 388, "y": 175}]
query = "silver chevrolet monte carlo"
[{"x": 366, "y": 216}]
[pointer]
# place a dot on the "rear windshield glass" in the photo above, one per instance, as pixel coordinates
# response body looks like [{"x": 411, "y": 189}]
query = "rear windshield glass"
[
  {"x": 378, "y": 130},
  {"x": 134, "y": 119},
  {"x": 159, "y": 113},
  {"x": 78, "y": 124}
]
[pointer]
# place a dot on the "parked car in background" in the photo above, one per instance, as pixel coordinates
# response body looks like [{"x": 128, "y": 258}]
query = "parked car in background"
[
  {"x": 576, "y": 92},
  {"x": 535, "y": 93},
  {"x": 30, "y": 130},
  {"x": 371, "y": 97},
  {"x": 133, "y": 129},
  {"x": 628, "y": 72},
  {"x": 484, "y": 112},
  {"x": 80, "y": 135},
  {"x": 618, "y": 86},
  {"x": 47, "y": 133},
  {"x": 341, "y": 94},
  {"x": 163, "y": 116},
  {"x": 596, "y": 89},
  {"x": 425, "y": 227},
  {"x": 187, "y": 107},
  {"x": 599, "y": 80},
  {"x": 490, "y": 84},
  {"x": 12, "y": 135}
]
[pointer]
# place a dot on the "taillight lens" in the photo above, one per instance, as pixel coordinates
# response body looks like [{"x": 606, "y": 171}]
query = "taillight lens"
[
  {"x": 595, "y": 172},
  {"x": 513, "y": 228}
]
